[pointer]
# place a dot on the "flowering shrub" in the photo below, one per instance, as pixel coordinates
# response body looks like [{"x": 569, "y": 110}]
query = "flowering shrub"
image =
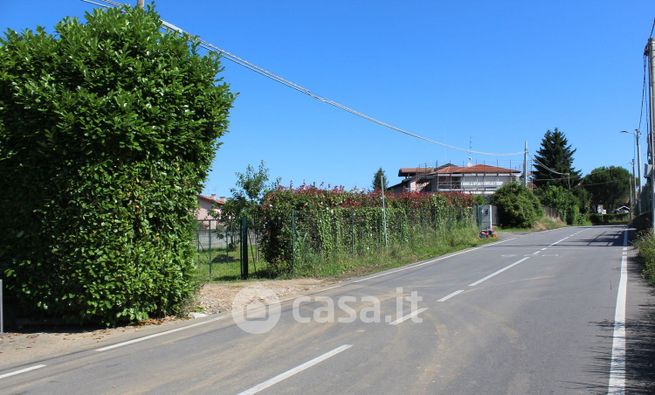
[{"x": 302, "y": 224}]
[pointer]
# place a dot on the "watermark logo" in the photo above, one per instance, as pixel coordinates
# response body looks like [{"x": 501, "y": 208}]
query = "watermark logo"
[{"x": 256, "y": 309}]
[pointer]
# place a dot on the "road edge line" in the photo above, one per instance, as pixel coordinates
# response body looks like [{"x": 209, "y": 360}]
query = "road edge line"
[
  {"x": 429, "y": 261},
  {"x": 25, "y": 370},
  {"x": 616, "y": 382},
  {"x": 154, "y": 335}
]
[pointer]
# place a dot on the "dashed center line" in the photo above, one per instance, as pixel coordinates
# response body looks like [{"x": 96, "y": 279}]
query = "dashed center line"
[
  {"x": 450, "y": 295},
  {"x": 408, "y": 316},
  {"x": 497, "y": 272},
  {"x": 291, "y": 372}
]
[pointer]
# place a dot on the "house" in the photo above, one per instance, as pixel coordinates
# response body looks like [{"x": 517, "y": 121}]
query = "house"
[
  {"x": 417, "y": 179},
  {"x": 208, "y": 210},
  {"x": 477, "y": 179}
]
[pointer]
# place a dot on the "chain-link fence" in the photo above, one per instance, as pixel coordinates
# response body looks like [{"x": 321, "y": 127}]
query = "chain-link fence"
[
  {"x": 218, "y": 252},
  {"x": 321, "y": 237}
]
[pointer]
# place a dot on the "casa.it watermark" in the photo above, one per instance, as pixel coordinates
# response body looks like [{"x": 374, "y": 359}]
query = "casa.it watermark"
[{"x": 257, "y": 309}]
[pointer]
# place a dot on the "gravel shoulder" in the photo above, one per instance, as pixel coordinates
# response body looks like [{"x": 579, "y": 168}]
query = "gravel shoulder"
[{"x": 213, "y": 298}]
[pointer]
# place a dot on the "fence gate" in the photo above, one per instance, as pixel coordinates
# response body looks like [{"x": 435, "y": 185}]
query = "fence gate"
[{"x": 486, "y": 216}]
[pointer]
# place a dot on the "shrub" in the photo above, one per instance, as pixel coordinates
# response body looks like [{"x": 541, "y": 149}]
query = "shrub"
[
  {"x": 107, "y": 131},
  {"x": 646, "y": 245},
  {"x": 562, "y": 200},
  {"x": 517, "y": 206}
]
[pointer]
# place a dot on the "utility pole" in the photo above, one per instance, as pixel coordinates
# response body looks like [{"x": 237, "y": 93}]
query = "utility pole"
[
  {"x": 525, "y": 165},
  {"x": 139, "y": 3},
  {"x": 650, "y": 52},
  {"x": 638, "y": 186},
  {"x": 633, "y": 191}
]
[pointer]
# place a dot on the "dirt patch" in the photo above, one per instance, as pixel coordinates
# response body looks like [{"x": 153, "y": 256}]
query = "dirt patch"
[
  {"x": 216, "y": 298},
  {"x": 213, "y": 298}
]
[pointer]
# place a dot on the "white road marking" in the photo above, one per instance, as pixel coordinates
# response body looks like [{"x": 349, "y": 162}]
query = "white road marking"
[
  {"x": 544, "y": 249},
  {"x": 429, "y": 262},
  {"x": 408, "y": 316},
  {"x": 498, "y": 272},
  {"x": 294, "y": 371},
  {"x": 451, "y": 295},
  {"x": 559, "y": 241},
  {"x": 15, "y": 372},
  {"x": 616, "y": 383},
  {"x": 144, "y": 338}
]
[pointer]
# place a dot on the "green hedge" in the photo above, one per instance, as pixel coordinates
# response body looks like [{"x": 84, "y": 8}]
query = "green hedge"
[
  {"x": 517, "y": 206},
  {"x": 311, "y": 225},
  {"x": 107, "y": 131}
]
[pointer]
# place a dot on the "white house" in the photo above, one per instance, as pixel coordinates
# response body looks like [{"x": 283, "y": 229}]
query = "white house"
[{"x": 475, "y": 179}]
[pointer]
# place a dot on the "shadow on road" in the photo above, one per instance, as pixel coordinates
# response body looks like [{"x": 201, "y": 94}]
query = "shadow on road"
[{"x": 640, "y": 340}]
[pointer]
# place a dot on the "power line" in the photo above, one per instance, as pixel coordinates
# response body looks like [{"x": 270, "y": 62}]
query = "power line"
[
  {"x": 600, "y": 183},
  {"x": 549, "y": 169},
  {"x": 277, "y": 78}
]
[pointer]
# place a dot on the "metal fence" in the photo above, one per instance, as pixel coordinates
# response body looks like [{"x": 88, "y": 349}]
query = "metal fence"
[
  {"x": 221, "y": 244},
  {"x": 552, "y": 213},
  {"x": 210, "y": 234}
]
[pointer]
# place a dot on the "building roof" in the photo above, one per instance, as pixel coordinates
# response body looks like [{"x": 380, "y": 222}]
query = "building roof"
[
  {"x": 212, "y": 199},
  {"x": 412, "y": 171},
  {"x": 480, "y": 169}
]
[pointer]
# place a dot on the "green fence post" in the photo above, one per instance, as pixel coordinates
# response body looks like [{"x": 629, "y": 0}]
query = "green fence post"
[
  {"x": 244, "y": 248},
  {"x": 352, "y": 230},
  {"x": 293, "y": 240},
  {"x": 198, "y": 238},
  {"x": 209, "y": 253}
]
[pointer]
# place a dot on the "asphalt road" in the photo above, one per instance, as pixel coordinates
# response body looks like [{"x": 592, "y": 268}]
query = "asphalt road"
[{"x": 535, "y": 313}]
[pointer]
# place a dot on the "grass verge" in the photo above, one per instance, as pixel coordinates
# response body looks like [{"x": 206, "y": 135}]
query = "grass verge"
[
  {"x": 545, "y": 223},
  {"x": 646, "y": 245},
  {"x": 225, "y": 266},
  {"x": 220, "y": 265},
  {"x": 420, "y": 248}
]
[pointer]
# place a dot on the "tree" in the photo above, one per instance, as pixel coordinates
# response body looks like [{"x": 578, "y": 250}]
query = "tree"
[
  {"x": 247, "y": 197},
  {"x": 554, "y": 162},
  {"x": 517, "y": 206},
  {"x": 609, "y": 186},
  {"x": 249, "y": 191},
  {"x": 107, "y": 132},
  {"x": 380, "y": 178},
  {"x": 562, "y": 200}
]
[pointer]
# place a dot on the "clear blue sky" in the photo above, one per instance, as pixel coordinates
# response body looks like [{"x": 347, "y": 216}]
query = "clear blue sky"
[{"x": 493, "y": 72}]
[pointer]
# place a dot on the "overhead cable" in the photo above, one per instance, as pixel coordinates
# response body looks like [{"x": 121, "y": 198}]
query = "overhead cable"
[
  {"x": 259, "y": 70},
  {"x": 549, "y": 169}
]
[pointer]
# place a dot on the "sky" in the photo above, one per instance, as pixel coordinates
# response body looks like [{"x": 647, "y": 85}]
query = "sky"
[{"x": 489, "y": 75}]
